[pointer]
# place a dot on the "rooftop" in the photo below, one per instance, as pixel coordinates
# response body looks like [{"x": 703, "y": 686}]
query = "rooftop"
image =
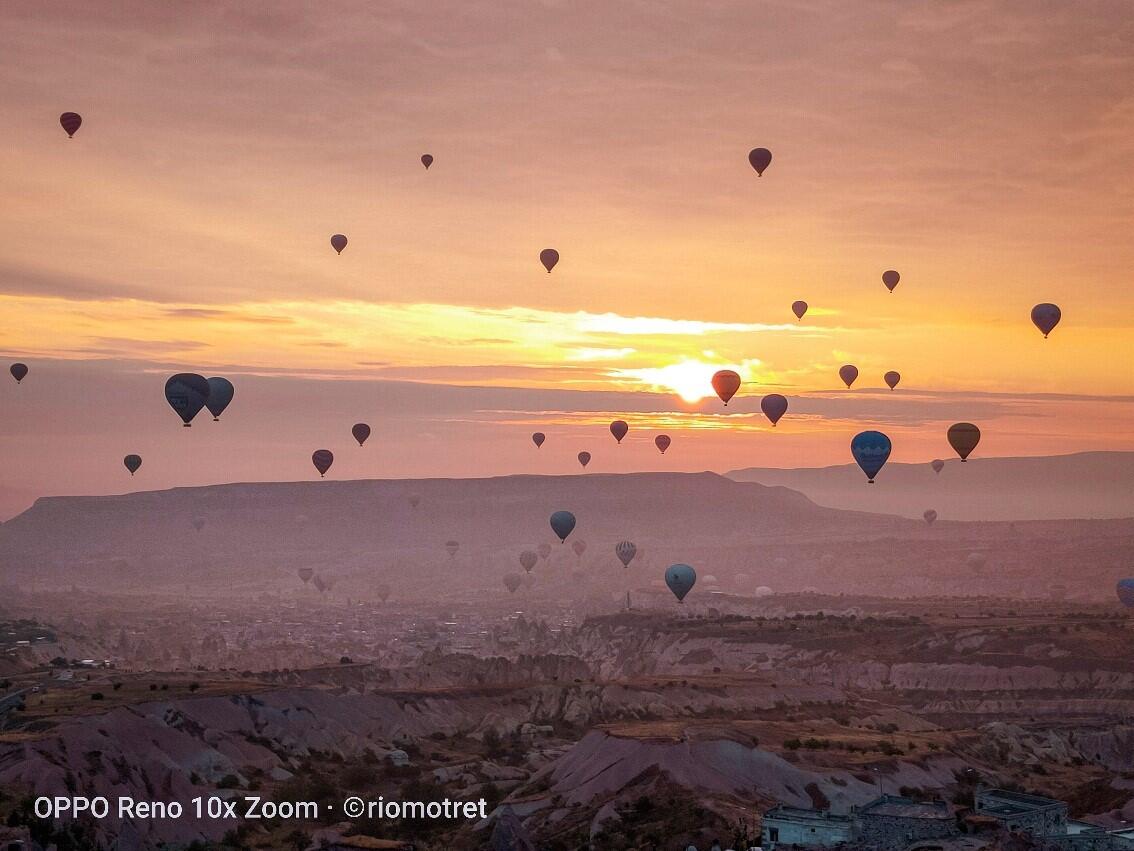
[
  {"x": 783, "y": 811},
  {"x": 894, "y": 805}
]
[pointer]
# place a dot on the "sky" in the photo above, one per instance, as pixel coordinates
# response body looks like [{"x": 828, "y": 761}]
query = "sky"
[{"x": 981, "y": 148}]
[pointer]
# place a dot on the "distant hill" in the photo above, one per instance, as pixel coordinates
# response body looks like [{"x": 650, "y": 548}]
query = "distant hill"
[{"x": 1086, "y": 485}]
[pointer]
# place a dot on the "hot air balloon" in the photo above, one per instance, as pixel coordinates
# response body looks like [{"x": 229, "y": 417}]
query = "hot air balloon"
[
  {"x": 383, "y": 591},
  {"x": 892, "y": 378},
  {"x": 848, "y": 374},
  {"x": 680, "y": 579},
  {"x": 774, "y": 406},
  {"x": 1045, "y": 317},
  {"x": 763, "y": 591},
  {"x": 512, "y": 581},
  {"x": 625, "y": 550},
  {"x": 579, "y": 547},
  {"x": 538, "y": 438},
  {"x": 930, "y": 516},
  {"x": 19, "y": 371},
  {"x": 760, "y": 159},
  {"x": 726, "y": 383},
  {"x": 305, "y": 573},
  {"x": 976, "y": 561},
  {"x": 937, "y": 464},
  {"x": 198, "y": 523},
  {"x": 890, "y": 278},
  {"x": 322, "y": 459},
  {"x": 799, "y": 308},
  {"x": 662, "y": 442},
  {"x": 70, "y": 122},
  {"x": 186, "y": 393},
  {"x": 320, "y": 584},
  {"x": 427, "y": 160},
  {"x": 338, "y": 242},
  {"x": 549, "y": 257},
  {"x": 528, "y": 560},
  {"x": 963, "y": 437},
  {"x": 544, "y": 550},
  {"x": 619, "y": 428},
  {"x": 132, "y": 463},
  {"x": 451, "y": 548},
  {"x": 1125, "y": 591},
  {"x": 414, "y": 500},
  {"x": 584, "y": 458},
  {"x": 870, "y": 449},
  {"x": 361, "y": 431},
  {"x": 221, "y": 392},
  {"x": 562, "y": 522}
]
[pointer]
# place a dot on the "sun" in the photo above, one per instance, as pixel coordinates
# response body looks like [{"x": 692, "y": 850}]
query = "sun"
[{"x": 691, "y": 380}]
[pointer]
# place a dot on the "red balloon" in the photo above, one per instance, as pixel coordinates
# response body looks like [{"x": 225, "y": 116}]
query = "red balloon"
[
  {"x": 726, "y": 383},
  {"x": 662, "y": 442},
  {"x": 848, "y": 374},
  {"x": 71, "y": 121},
  {"x": 338, "y": 242},
  {"x": 549, "y": 257},
  {"x": 427, "y": 160},
  {"x": 619, "y": 428},
  {"x": 760, "y": 159}
]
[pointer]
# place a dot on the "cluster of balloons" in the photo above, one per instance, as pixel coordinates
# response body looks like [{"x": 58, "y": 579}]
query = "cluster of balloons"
[{"x": 187, "y": 393}]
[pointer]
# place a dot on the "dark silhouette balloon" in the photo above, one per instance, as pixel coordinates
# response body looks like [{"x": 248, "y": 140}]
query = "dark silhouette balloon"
[
  {"x": 619, "y": 428},
  {"x": 414, "y": 500},
  {"x": 1125, "y": 591},
  {"x": 361, "y": 431},
  {"x": 221, "y": 392},
  {"x": 427, "y": 160},
  {"x": 338, "y": 242},
  {"x": 760, "y": 159},
  {"x": 584, "y": 458},
  {"x": 543, "y": 550},
  {"x": 562, "y": 522},
  {"x": 512, "y": 581},
  {"x": 187, "y": 393},
  {"x": 538, "y": 438},
  {"x": 930, "y": 516},
  {"x": 383, "y": 592},
  {"x": 799, "y": 308},
  {"x": 937, "y": 464},
  {"x": 528, "y": 560},
  {"x": 451, "y": 548},
  {"x": 322, "y": 459},
  {"x": 890, "y": 278},
  {"x": 848, "y": 374},
  {"x": 774, "y": 406},
  {"x": 662, "y": 442},
  {"x": 549, "y": 257},
  {"x": 71, "y": 122},
  {"x": 625, "y": 550},
  {"x": 1045, "y": 317},
  {"x": 305, "y": 573},
  {"x": 892, "y": 378},
  {"x": 19, "y": 371},
  {"x": 726, "y": 383},
  {"x": 963, "y": 437},
  {"x": 870, "y": 449},
  {"x": 680, "y": 578},
  {"x": 132, "y": 463}
]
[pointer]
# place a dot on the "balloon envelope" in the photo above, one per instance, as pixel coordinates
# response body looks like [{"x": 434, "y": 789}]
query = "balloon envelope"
[
  {"x": 132, "y": 462},
  {"x": 322, "y": 459},
  {"x": 680, "y": 578},
  {"x": 414, "y": 500},
  {"x": 760, "y": 159},
  {"x": 70, "y": 122},
  {"x": 221, "y": 392},
  {"x": 361, "y": 431},
  {"x": 937, "y": 464},
  {"x": 512, "y": 581},
  {"x": 562, "y": 522},
  {"x": 892, "y": 378},
  {"x": 1045, "y": 317},
  {"x": 584, "y": 458},
  {"x": 963, "y": 437},
  {"x": 451, "y": 547},
  {"x": 198, "y": 524},
  {"x": 726, "y": 383},
  {"x": 930, "y": 516},
  {"x": 625, "y": 550},
  {"x": 619, "y": 428},
  {"x": 774, "y": 406},
  {"x": 848, "y": 374},
  {"x": 549, "y": 257},
  {"x": 799, "y": 308},
  {"x": 890, "y": 278},
  {"x": 19, "y": 371},
  {"x": 338, "y": 242},
  {"x": 427, "y": 160},
  {"x": 528, "y": 560},
  {"x": 305, "y": 573},
  {"x": 538, "y": 438},
  {"x": 579, "y": 547},
  {"x": 662, "y": 442},
  {"x": 870, "y": 449},
  {"x": 1125, "y": 590},
  {"x": 383, "y": 592},
  {"x": 187, "y": 393}
]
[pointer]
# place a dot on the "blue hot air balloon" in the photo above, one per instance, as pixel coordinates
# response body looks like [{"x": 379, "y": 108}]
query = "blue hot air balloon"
[
  {"x": 870, "y": 449},
  {"x": 1125, "y": 591},
  {"x": 220, "y": 394},
  {"x": 187, "y": 393},
  {"x": 562, "y": 522},
  {"x": 680, "y": 578}
]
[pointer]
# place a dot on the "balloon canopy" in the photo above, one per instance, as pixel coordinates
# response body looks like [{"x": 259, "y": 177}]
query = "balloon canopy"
[
  {"x": 625, "y": 550},
  {"x": 360, "y": 431},
  {"x": 71, "y": 122},
  {"x": 427, "y": 160},
  {"x": 187, "y": 393},
  {"x": 774, "y": 407},
  {"x": 1045, "y": 317},
  {"x": 584, "y": 458},
  {"x": 132, "y": 463},
  {"x": 799, "y": 308},
  {"x": 322, "y": 459},
  {"x": 890, "y": 278},
  {"x": 549, "y": 257},
  {"x": 221, "y": 392},
  {"x": 849, "y": 374},
  {"x": 680, "y": 578},
  {"x": 760, "y": 159},
  {"x": 870, "y": 450},
  {"x": 726, "y": 382},
  {"x": 338, "y": 242},
  {"x": 19, "y": 371},
  {"x": 538, "y": 438},
  {"x": 619, "y": 428},
  {"x": 562, "y": 522},
  {"x": 662, "y": 442},
  {"x": 963, "y": 437}
]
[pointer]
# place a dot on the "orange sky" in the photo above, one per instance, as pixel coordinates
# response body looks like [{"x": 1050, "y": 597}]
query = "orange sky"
[{"x": 981, "y": 148}]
